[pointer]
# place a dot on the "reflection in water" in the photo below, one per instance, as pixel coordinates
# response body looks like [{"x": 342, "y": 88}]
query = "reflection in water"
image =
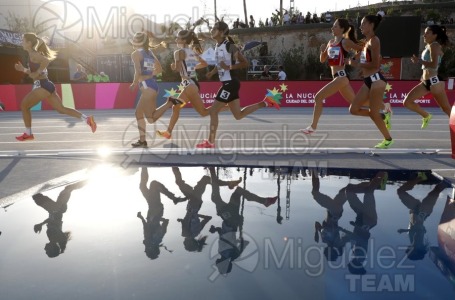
[
  {"x": 191, "y": 223},
  {"x": 419, "y": 211},
  {"x": 57, "y": 238},
  {"x": 366, "y": 219},
  {"x": 254, "y": 242},
  {"x": 155, "y": 226},
  {"x": 229, "y": 247},
  {"x": 329, "y": 230}
]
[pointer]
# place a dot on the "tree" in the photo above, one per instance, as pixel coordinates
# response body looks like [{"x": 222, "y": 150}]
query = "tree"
[{"x": 20, "y": 24}]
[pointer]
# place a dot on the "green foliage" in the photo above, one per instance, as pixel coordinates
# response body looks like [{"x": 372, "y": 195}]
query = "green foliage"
[
  {"x": 168, "y": 74},
  {"x": 313, "y": 68},
  {"x": 292, "y": 61},
  {"x": 434, "y": 15},
  {"x": 300, "y": 67}
]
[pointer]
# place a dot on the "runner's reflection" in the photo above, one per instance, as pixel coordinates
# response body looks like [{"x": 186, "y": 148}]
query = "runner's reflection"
[
  {"x": 193, "y": 222},
  {"x": 329, "y": 230},
  {"x": 229, "y": 247},
  {"x": 154, "y": 225},
  {"x": 57, "y": 238},
  {"x": 366, "y": 219},
  {"x": 419, "y": 211}
]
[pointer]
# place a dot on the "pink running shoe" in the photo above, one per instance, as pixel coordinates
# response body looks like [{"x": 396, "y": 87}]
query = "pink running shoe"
[
  {"x": 205, "y": 144},
  {"x": 308, "y": 130},
  {"x": 25, "y": 137}
]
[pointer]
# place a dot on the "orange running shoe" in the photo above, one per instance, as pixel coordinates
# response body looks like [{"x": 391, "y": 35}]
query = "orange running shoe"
[
  {"x": 164, "y": 134},
  {"x": 91, "y": 122}
]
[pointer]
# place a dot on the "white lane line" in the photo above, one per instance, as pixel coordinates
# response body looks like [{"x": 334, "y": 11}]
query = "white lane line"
[{"x": 221, "y": 151}]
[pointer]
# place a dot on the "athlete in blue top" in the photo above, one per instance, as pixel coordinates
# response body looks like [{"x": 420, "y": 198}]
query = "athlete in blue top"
[
  {"x": 146, "y": 67},
  {"x": 39, "y": 58},
  {"x": 435, "y": 37}
]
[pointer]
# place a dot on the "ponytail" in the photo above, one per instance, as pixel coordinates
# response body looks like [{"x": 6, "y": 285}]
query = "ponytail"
[
  {"x": 441, "y": 34},
  {"x": 40, "y": 46},
  {"x": 375, "y": 20},
  {"x": 351, "y": 34}
]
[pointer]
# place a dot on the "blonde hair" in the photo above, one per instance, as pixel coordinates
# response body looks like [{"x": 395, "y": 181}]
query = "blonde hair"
[{"x": 40, "y": 45}]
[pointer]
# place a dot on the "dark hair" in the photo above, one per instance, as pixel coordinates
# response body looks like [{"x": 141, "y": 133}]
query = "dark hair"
[
  {"x": 190, "y": 38},
  {"x": 223, "y": 27},
  {"x": 40, "y": 46},
  {"x": 347, "y": 28},
  {"x": 374, "y": 19},
  {"x": 441, "y": 34}
]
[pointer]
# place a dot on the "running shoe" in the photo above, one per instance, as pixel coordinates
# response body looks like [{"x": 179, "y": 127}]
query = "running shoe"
[
  {"x": 308, "y": 130},
  {"x": 205, "y": 144},
  {"x": 426, "y": 120},
  {"x": 25, "y": 137},
  {"x": 271, "y": 103},
  {"x": 384, "y": 179},
  {"x": 387, "y": 120},
  {"x": 385, "y": 144},
  {"x": 139, "y": 144},
  {"x": 422, "y": 176},
  {"x": 270, "y": 201},
  {"x": 91, "y": 122},
  {"x": 175, "y": 101},
  {"x": 164, "y": 134}
]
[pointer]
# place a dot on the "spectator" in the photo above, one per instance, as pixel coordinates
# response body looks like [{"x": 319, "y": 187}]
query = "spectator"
[
  {"x": 97, "y": 78},
  {"x": 266, "y": 75},
  {"x": 254, "y": 64},
  {"x": 308, "y": 18},
  {"x": 286, "y": 18},
  {"x": 90, "y": 77},
  {"x": 281, "y": 75},
  {"x": 267, "y": 22},
  {"x": 104, "y": 77},
  {"x": 252, "y": 22},
  {"x": 294, "y": 19},
  {"x": 80, "y": 75},
  {"x": 328, "y": 17},
  {"x": 300, "y": 18},
  {"x": 236, "y": 23}
]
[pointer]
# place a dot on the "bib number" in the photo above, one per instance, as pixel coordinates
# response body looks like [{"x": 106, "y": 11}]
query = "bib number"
[
  {"x": 434, "y": 80},
  {"x": 36, "y": 85},
  {"x": 225, "y": 95},
  {"x": 375, "y": 77},
  {"x": 341, "y": 73}
]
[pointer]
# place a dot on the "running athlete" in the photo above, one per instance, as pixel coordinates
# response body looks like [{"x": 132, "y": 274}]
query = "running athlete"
[
  {"x": 335, "y": 53},
  {"x": 435, "y": 37},
  {"x": 186, "y": 60},
  {"x": 39, "y": 58},
  {"x": 229, "y": 60},
  {"x": 146, "y": 67},
  {"x": 373, "y": 89}
]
